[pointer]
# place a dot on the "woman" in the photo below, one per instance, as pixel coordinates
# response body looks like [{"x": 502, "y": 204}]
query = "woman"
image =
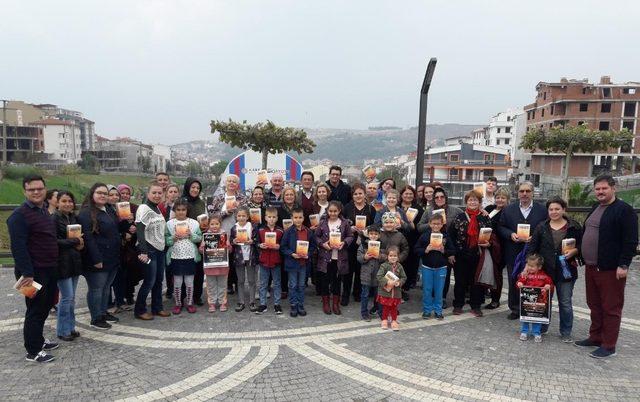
[
  {"x": 464, "y": 232},
  {"x": 502, "y": 198},
  {"x": 171, "y": 196},
  {"x": 409, "y": 200},
  {"x": 385, "y": 185},
  {"x": 427, "y": 196},
  {"x": 321, "y": 197},
  {"x": 257, "y": 201},
  {"x": 150, "y": 228},
  {"x": 196, "y": 206},
  {"x": 393, "y": 199},
  {"x": 420, "y": 195},
  {"x": 101, "y": 259},
  {"x": 114, "y": 195},
  {"x": 52, "y": 200},
  {"x": 440, "y": 201},
  {"x": 358, "y": 206},
  {"x": 284, "y": 212},
  {"x": 129, "y": 273},
  {"x": 69, "y": 266},
  {"x": 547, "y": 241}
]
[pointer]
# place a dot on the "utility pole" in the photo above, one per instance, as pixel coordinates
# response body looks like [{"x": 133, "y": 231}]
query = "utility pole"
[
  {"x": 422, "y": 120},
  {"x": 4, "y": 132}
]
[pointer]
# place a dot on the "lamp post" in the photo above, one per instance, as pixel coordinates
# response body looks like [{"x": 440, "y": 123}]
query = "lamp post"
[{"x": 422, "y": 120}]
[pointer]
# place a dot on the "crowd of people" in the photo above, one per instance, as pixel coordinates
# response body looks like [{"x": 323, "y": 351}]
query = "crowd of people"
[{"x": 368, "y": 243}]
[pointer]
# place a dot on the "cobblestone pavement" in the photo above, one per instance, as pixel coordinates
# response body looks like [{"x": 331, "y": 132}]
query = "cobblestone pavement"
[{"x": 241, "y": 356}]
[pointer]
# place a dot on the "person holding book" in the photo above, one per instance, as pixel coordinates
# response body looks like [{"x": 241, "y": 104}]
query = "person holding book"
[
  {"x": 269, "y": 239},
  {"x": 502, "y": 198},
  {"x": 522, "y": 212},
  {"x": 413, "y": 212},
  {"x": 298, "y": 244},
  {"x": 369, "y": 258},
  {"x": 465, "y": 234},
  {"x": 534, "y": 276},
  {"x": 69, "y": 264},
  {"x": 125, "y": 211},
  {"x": 333, "y": 236},
  {"x": 150, "y": 228},
  {"x": 392, "y": 206},
  {"x": 191, "y": 193},
  {"x": 182, "y": 234},
  {"x": 102, "y": 233},
  {"x": 289, "y": 203},
  {"x": 34, "y": 247},
  {"x": 171, "y": 195},
  {"x": 390, "y": 278},
  {"x": 256, "y": 202},
  {"x": 390, "y": 237},
  {"x": 441, "y": 205},
  {"x": 216, "y": 276},
  {"x": 435, "y": 250},
  {"x": 245, "y": 260}
]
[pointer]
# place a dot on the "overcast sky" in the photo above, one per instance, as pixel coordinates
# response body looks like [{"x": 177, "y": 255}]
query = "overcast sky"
[{"x": 161, "y": 70}]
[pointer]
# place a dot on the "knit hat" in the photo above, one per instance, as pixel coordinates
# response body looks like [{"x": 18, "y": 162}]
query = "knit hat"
[{"x": 388, "y": 217}]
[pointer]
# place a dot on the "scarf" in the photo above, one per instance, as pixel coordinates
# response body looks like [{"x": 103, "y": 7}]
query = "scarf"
[{"x": 473, "y": 231}]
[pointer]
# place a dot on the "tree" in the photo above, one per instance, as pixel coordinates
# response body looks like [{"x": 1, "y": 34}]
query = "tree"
[
  {"x": 69, "y": 171},
  {"x": 570, "y": 140},
  {"x": 218, "y": 168},
  {"x": 194, "y": 168},
  {"x": 397, "y": 173},
  {"x": 144, "y": 163},
  {"x": 261, "y": 137},
  {"x": 89, "y": 163}
]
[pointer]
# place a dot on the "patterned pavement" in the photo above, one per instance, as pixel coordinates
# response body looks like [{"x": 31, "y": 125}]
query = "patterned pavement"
[{"x": 241, "y": 356}]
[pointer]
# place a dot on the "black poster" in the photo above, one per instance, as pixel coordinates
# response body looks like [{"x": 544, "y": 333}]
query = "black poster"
[
  {"x": 215, "y": 250},
  {"x": 535, "y": 305}
]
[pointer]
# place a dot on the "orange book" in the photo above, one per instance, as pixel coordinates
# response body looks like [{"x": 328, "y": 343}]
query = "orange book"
[
  {"x": 568, "y": 245},
  {"x": 335, "y": 238},
  {"x": 302, "y": 248},
  {"x": 373, "y": 248},
  {"x": 124, "y": 210},
  {"x": 256, "y": 215},
  {"x": 286, "y": 223},
  {"x": 479, "y": 188},
  {"x": 182, "y": 228},
  {"x": 229, "y": 201},
  {"x": 314, "y": 220},
  {"x": 270, "y": 239},
  {"x": 441, "y": 212},
  {"x": 361, "y": 222},
  {"x": 485, "y": 235},
  {"x": 436, "y": 240},
  {"x": 74, "y": 231},
  {"x": 411, "y": 214},
  {"x": 242, "y": 235},
  {"x": 524, "y": 230},
  {"x": 28, "y": 291},
  {"x": 262, "y": 177},
  {"x": 377, "y": 205}
]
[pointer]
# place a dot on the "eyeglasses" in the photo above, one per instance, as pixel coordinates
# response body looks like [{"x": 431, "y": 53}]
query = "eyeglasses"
[
  {"x": 34, "y": 190},
  {"x": 101, "y": 193},
  {"x": 439, "y": 197},
  {"x": 524, "y": 191}
]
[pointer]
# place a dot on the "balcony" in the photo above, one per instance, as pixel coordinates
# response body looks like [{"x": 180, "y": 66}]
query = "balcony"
[{"x": 465, "y": 163}]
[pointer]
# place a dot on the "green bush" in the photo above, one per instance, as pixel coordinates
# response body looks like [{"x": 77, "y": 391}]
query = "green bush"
[{"x": 17, "y": 172}]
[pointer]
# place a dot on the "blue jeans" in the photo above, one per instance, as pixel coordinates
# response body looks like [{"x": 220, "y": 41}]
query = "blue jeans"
[
  {"x": 365, "y": 292},
  {"x": 66, "y": 306},
  {"x": 274, "y": 273},
  {"x": 99, "y": 283},
  {"x": 564, "y": 290},
  {"x": 152, "y": 282},
  {"x": 536, "y": 327},
  {"x": 297, "y": 279},
  {"x": 432, "y": 287}
]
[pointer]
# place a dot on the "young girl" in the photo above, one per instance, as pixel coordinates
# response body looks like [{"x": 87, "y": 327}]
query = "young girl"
[
  {"x": 244, "y": 260},
  {"x": 182, "y": 253},
  {"x": 389, "y": 293},
  {"x": 333, "y": 260},
  {"x": 534, "y": 276},
  {"x": 217, "y": 276}
]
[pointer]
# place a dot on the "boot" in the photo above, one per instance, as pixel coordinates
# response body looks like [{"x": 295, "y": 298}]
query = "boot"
[
  {"x": 325, "y": 305},
  {"x": 336, "y": 305}
]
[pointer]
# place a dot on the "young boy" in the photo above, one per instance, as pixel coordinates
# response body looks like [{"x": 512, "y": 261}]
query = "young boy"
[
  {"x": 269, "y": 260},
  {"x": 433, "y": 268},
  {"x": 368, "y": 271},
  {"x": 534, "y": 276},
  {"x": 296, "y": 264},
  {"x": 391, "y": 237}
]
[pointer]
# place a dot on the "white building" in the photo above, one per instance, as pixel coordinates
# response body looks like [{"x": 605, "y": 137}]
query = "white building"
[
  {"x": 457, "y": 140},
  {"x": 161, "y": 155},
  {"x": 62, "y": 139}
]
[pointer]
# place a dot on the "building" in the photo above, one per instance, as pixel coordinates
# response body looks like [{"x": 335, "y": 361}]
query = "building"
[
  {"x": 480, "y": 136},
  {"x": 457, "y": 140},
  {"x": 85, "y": 126},
  {"x": 601, "y": 106},
  {"x": 127, "y": 154},
  {"x": 161, "y": 157},
  {"x": 61, "y": 139},
  {"x": 22, "y": 143}
]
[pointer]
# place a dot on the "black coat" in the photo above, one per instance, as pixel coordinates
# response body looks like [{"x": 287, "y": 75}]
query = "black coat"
[
  {"x": 342, "y": 192},
  {"x": 542, "y": 244},
  {"x": 103, "y": 246},
  {"x": 69, "y": 259},
  {"x": 511, "y": 217},
  {"x": 458, "y": 233}
]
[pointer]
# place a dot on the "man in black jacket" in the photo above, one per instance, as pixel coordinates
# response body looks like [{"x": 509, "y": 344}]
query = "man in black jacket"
[
  {"x": 524, "y": 211},
  {"x": 339, "y": 190},
  {"x": 608, "y": 245}
]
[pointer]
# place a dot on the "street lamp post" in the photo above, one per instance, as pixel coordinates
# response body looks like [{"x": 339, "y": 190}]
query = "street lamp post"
[{"x": 422, "y": 120}]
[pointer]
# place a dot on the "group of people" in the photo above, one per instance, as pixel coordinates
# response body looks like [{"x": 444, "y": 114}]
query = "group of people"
[{"x": 367, "y": 242}]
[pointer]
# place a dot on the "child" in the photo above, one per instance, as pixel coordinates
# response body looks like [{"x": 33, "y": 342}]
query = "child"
[
  {"x": 295, "y": 264},
  {"x": 244, "y": 261},
  {"x": 390, "y": 236},
  {"x": 269, "y": 260},
  {"x": 433, "y": 267},
  {"x": 182, "y": 254},
  {"x": 368, "y": 273},
  {"x": 333, "y": 258},
  {"x": 217, "y": 276},
  {"x": 389, "y": 292},
  {"x": 534, "y": 276}
]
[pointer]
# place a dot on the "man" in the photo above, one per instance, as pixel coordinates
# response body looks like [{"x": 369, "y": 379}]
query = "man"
[
  {"x": 372, "y": 192},
  {"x": 35, "y": 251},
  {"x": 273, "y": 196},
  {"x": 305, "y": 198},
  {"x": 339, "y": 190},
  {"x": 608, "y": 245},
  {"x": 522, "y": 211},
  {"x": 490, "y": 186}
]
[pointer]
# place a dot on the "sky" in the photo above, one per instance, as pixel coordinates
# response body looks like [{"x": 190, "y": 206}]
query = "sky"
[{"x": 160, "y": 71}]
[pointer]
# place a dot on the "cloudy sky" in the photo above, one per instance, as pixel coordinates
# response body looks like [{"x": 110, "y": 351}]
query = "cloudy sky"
[{"x": 161, "y": 70}]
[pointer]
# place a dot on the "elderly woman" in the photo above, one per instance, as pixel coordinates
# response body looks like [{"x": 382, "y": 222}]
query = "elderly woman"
[
  {"x": 502, "y": 198},
  {"x": 257, "y": 201},
  {"x": 547, "y": 241},
  {"x": 464, "y": 232}
]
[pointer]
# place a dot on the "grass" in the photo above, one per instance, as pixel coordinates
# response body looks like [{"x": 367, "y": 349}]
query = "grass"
[{"x": 6, "y": 261}]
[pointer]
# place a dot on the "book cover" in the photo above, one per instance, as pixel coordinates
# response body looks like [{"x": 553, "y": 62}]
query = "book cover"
[
  {"x": 361, "y": 222},
  {"x": 302, "y": 248},
  {"x": 373, "y": 248},
  {"x": 255, "y": 214},
  {"x": 182, "y": 228},
  {"x": 286, "y": 223},
  {"x": 568, "y": 245},
  {"x": 480, "y": 188},
  {"x": 436, "y": 240},
  {"x": 335, "y": 238},
  {"x": 242, "y": 235},
  {"x": 262, "y": 177},
  {"x": 270, "y": 239},
  {"x": 441, "y": 212},
  {"x": 377, "y": 205},
  {"x": 124, "y": 210},
  {"x": 74, "y": 231},
  {"x": 411, "y": 214},
  {"x": 535, "y": 305},
  {"x": 485, "y": 235},
  {"x": 27, "y": 291},
  {"x": 229, "y": 202},
  {"x": 215, "y": 251},
  {"x": 314, "y": 220},
  {"x": 202, "y": 218},
  {"x": 391, "y": 276},
  {"x": 524, "y": 230}
]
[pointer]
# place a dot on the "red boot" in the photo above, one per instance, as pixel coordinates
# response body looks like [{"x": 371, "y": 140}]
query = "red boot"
[
  {"x": 336, "y": 305},
  {"x": 325, "y": 305}
]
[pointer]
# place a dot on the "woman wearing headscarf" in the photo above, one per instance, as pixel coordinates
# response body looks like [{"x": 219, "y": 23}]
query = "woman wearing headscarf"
[{"x": 196, "y": 206}]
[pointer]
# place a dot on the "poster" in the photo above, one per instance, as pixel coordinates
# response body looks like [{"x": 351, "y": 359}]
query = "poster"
[
  {"x": 535, "y": 305},
  {"x": 215, "y": 250}
]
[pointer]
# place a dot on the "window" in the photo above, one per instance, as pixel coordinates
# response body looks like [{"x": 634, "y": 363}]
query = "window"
[
  {"x": 508, "y": 118},
  {"x": 629, "y": 109},
  {"x": 629, "y": 91},
  {"x": 544, "y": 97},
  {"x": 454, "y": 157},
  {"x": 603, "y": 126},
  {"x": 489, "y": 157},
  {"x": 533, "y": 115},
  {"x": 453, "y": 172},
  {"x": 506, "y": 141},
  {"x": 584, "y": 91},
  {"x": 507, "y": 130},
  {"x": 499, "y": 129},
  {"x": 605, "y": 108},
  {"x": 606, "y": 92},
  {"x": 580, "y": 122},
  {"x": 628, "y": 124},
  {"x": 551, "y": 111},
  {"x": 527, "y": 163},
  {"x": 542, "y": 114},
  {"x": 529, "y": 115},
  {"x": 584, "y": 107}
]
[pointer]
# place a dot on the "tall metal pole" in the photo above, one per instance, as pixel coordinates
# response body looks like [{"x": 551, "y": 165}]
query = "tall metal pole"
[
  {"x": 4, "y": 132},
  {"x": 422, "y": 120}
]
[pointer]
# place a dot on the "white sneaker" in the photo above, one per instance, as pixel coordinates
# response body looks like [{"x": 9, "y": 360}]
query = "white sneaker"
[
  {"x": 523, "y": 336},
  {"x": 537, "y": 338}
]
